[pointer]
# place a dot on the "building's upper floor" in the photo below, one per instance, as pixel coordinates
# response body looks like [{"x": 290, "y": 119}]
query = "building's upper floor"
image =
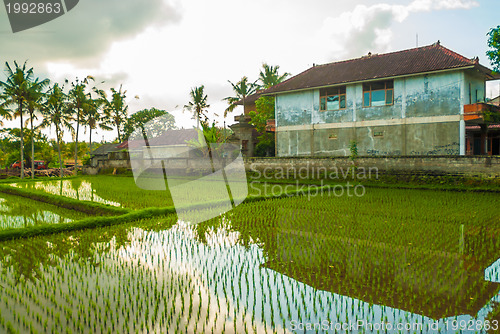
[{"x": 420, "y": 82}]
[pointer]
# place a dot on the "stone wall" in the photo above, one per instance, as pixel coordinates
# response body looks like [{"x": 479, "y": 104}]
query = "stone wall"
[
  {"x": 119, "y": 160},
  {"x": 459, "y": 165}
]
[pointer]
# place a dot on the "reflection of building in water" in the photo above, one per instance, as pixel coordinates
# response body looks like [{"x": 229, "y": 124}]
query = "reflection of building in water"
[{"x": 414, "y": 278}]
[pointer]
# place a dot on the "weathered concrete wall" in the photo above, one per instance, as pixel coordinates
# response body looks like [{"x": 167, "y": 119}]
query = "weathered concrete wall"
[
  {"x": 294, "y": 108},
  {"x": 463, "y": 165},
  {"x": 425, "y": 119},
  {"x": 440, "y": 138},
  {"x": 475, "y": 88},
  {"x": 433, "y": 139}
]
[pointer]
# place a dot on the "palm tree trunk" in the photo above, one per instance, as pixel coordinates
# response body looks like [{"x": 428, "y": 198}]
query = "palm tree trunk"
[
  {"x": 197, "y": 118},
  {"x": 118, "y": 129},
  {"x": 144, "y": 135},
  {"x": 20, "y": 109},
  {"x": 59, "y": 152},
  {"x": 90, "y": 141},
  {"x": 32, "y": 148},
  {"x": 76, "y": 139}
]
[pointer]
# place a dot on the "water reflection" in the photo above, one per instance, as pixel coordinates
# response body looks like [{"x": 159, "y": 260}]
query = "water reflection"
[
  {"x": 249, "y": 270},
  {"x": 16, "y": 212},
  {"x": 75, "y": 188}
]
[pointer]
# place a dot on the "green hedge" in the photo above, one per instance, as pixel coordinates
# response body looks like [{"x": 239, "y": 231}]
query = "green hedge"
[{"x": 93, "y": 222}]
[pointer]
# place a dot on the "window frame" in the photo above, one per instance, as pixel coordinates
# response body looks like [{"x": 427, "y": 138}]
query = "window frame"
[
  {"x": 368, "y": 89},
  {"x": 338, "y": 91}
]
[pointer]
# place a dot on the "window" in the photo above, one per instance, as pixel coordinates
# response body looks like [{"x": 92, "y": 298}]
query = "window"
[
  {"x": 379, "y": 93},
  {"x": 332, "y": 98}
]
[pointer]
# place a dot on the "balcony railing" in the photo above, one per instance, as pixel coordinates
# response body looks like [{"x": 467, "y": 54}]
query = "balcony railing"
[{"x": 481, "y": 113}]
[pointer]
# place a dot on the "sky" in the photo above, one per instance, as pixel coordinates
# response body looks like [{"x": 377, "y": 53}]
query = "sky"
[{"x": 159, "y": 49}]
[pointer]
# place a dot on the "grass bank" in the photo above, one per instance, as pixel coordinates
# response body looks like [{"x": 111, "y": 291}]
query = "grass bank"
[
  {"x": 82, "y": 224},
  {"x": 65, "y": 202}
]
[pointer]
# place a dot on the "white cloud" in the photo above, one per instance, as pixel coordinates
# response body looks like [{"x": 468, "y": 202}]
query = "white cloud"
[
  {"x": 368, "y": 28},
  {"x": 85, "y": 33},
  {"x": 427, "y": 5}
]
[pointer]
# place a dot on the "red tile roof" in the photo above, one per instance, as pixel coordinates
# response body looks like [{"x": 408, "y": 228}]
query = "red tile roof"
[{"x": 425, "y": 59}]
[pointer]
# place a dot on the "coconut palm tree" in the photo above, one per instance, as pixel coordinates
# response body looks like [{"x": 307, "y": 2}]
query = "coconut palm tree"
[
  {"x": 242, "y": 89},
  {"x": 269, "y": 76},
  {"x": 94, "y": 118},
  {"x": 57, "y": 114},
  {"x": 115, "y": 109},
  {"x": 78, "y": 100},
  {"x": 14, "y": 95},
  {"x": 198, "y": 105},
  {"x": 34, "y": 99}
]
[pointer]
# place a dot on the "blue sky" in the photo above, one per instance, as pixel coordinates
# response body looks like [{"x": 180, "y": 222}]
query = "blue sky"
[{"x": 159, "y": 49}]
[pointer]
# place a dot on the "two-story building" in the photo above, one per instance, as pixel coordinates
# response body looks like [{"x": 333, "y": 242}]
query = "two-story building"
[{"x": 409, "y": 102}]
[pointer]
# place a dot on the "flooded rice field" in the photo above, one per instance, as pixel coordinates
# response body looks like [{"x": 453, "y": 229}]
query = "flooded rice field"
[
  {"x": 16, "y": 212},
  {"x": 395, "y": 261}
]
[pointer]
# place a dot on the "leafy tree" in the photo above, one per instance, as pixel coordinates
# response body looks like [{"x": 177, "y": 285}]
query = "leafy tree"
[
  {"x": 47, "y": 153},
  {"x": 14, "y": 95},
  {"x": 241, "y": 89},
  {"x": 34, "y": 99},
  {"x": 159, "y": 122},
  {"x": 115, "y": 109},
  {"x": 494, "y": 44},
  {"x": 9, "y": 146},
  {"x": 56, "y": 113},
  {"x": 264, "y": 110},
  {"x": 11, "y": 140},
  {"x": 198, "y": 105}
]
